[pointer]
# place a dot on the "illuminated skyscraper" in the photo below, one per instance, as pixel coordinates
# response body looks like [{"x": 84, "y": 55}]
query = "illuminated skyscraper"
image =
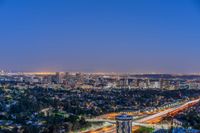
[
  {"x": 124, "y": 123},
  {"x": 58, "y": 78}
]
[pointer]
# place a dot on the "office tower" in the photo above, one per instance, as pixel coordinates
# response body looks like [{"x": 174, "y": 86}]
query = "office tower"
[
  {"x": 124, "y": 123},
  {"x": 59, "y": 77}
]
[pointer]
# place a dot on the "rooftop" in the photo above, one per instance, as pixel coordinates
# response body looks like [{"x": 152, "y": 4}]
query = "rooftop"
[{"x": 124, "y": 117}]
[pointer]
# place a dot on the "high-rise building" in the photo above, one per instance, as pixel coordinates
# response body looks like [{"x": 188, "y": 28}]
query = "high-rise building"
[
  {"x": 58, "y": 78},
  {"x": 124, "y": 123}
]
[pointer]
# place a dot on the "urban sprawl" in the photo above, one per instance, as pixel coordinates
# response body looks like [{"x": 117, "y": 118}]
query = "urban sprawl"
[{"x": 63, "y": 102}]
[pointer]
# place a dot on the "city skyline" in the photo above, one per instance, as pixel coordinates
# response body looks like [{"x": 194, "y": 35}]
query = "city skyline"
[
  {"x": 99, "y": 66},
  {"x": 100, "y": 36}
]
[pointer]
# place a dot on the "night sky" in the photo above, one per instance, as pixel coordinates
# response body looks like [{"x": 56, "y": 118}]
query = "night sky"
[{"x": 160, "y": 36}]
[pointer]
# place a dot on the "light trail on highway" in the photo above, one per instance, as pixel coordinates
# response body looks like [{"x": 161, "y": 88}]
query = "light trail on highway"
[{"x": 152, "y": 119}]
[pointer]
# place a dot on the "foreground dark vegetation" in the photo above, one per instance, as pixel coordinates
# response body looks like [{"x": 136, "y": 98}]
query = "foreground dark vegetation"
[{"x": 191, "y": 117}]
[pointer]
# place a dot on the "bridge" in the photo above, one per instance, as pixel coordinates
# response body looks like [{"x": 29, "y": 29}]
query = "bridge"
[{"x": 114, "y": 122}]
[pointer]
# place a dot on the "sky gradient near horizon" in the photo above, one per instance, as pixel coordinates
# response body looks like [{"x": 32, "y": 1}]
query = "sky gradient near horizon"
[{"x": 100, "y": 35}]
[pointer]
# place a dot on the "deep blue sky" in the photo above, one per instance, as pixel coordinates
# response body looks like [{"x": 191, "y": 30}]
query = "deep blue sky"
[{"x": 100, "y": 35}]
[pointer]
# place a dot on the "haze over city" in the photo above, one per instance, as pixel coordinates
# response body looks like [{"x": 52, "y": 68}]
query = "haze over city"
[{"x": 107, "y": 36}]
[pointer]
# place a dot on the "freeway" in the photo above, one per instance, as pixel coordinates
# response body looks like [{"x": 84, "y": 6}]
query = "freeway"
[
  {"x": 152, "y": 119},
  {"x": 107, "y": 129},
  {"x": 149, "y": 120}
]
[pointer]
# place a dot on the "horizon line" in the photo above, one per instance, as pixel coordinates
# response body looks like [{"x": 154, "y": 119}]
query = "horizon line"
[{"x": 99, "y": 72}]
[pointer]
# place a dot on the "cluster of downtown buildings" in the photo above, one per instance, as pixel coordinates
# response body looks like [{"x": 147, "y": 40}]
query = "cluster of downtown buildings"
[{"x": 104, "y": 80}]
